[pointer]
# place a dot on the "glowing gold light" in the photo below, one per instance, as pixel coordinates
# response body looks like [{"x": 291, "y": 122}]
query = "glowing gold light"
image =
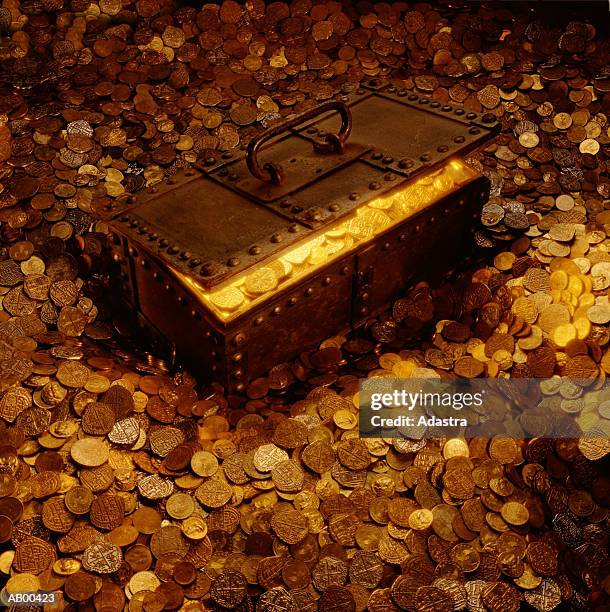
[{"x": 368, "y": 221}]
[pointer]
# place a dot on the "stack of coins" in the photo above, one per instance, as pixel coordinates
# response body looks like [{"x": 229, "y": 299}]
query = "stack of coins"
[{"x": 125, "y": 487}]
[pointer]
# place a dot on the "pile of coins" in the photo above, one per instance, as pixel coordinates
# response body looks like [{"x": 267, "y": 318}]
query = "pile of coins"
[{"x": 122, "y": 487}]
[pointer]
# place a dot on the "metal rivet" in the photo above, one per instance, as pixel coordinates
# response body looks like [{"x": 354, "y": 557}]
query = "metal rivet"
[
  {"x": 424, "y": 101},
  {"x": 227, "y": 155},
  {"x": 293, "y": 229},
  {"x": 194, "y": 262},
  {"x": 172, "y": 249},
  {"x": 156, "y": 276},
  {"x": 232, "y": 176},
  {"x": 144, "y": 263},
  {"x": 309, "y": 292},
  {"x": 254, "y": 250},
  {"x": 345, "y": 270},
  {"x": 296, "y": 209},
  {"x": 365, "y": 296},
  {"x": 239, "y": 340},
  {"x": 386, "y": 245},
  {"x": 389, "y": 177},
  {"x": 442, "y": 148},
  {"x": 387, "y": 159},
  {"x": 292, "y": 301},
  {"x": 376, "y": 155},
  {"x": 425, "y": 157},
  {"x": 276, "y": 311},
  {"x": 334, "y": 207},
  {"x": 210, "y": 161},
  {"x": 374, "y": 185},
  {"x": 446, "y": 108},
  {"x": 258, "y": 320},
  {"x": 417, "y": 228},
  {"x": 435, "y": 104},
  {"x": 240, "y": 388},
  {"x": 364, "y": 310},
  {"x": 285, "y": 203},
  {"x": 402, "y": 237},
  {"x": 164, "y": 242},
  {"x": 237, "y": 357},
  {"x": 459, "y": 111},
  {"x": 326, "y": 281},
  {"x": 353, "y": 196},
  {"x": 412, "y": 97},
  {"x": 459, "y": 139},
  {"x": 432, "y": 220},
  {"x": 474, "y": 130},
  {"x": 405, "y": 163},
  {"x": 276, "y": 238},
  {"x": 471, "y": 115},
  {"x": 167, "y": 287},
  {"x": 238, "y": 373},
  {"x": 207, "y": 269},
  {"x": 312, "y": 130},
  {"x": 233, "y": 261},
  {"x": 488, "y": 118},
  {"x": 180, "y": 300}
]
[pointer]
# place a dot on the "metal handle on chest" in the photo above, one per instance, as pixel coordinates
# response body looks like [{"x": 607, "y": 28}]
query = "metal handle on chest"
[{"x": 333, "y": 143}]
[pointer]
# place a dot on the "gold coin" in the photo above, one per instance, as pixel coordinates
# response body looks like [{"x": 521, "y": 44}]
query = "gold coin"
[
  {"x": 529, "y": 140},
  {"x": 194, "y": 527},
  {"x": 421, "y": 519},
  {"x": 504, "y": 261},
  {"x": 143, "y": 581},
  {"x": 90, "y": 452},
  {"x": 590, "y": 146},
  {"x": 344, "y": 419},
  {"x": 180, "y": 505},
  {"x": 261, "y": 281},
  {"x": 229, "y": 298},
  {"x": 23, "y": 583},
  {"x": 204, "y": 463},
  {"x": 96, "y": 383},
  {"x": 563, "y": 334},
  {"x": 515, "y": 513},
  {"x": 562, "y": 121}
]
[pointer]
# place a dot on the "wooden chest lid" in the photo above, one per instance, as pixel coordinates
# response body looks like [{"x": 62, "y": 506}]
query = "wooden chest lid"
[{"x": 231, "y": 213}]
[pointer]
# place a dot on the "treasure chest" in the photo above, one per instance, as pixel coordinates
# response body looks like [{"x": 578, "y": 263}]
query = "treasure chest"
[{"x": 252, "y": 256}]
